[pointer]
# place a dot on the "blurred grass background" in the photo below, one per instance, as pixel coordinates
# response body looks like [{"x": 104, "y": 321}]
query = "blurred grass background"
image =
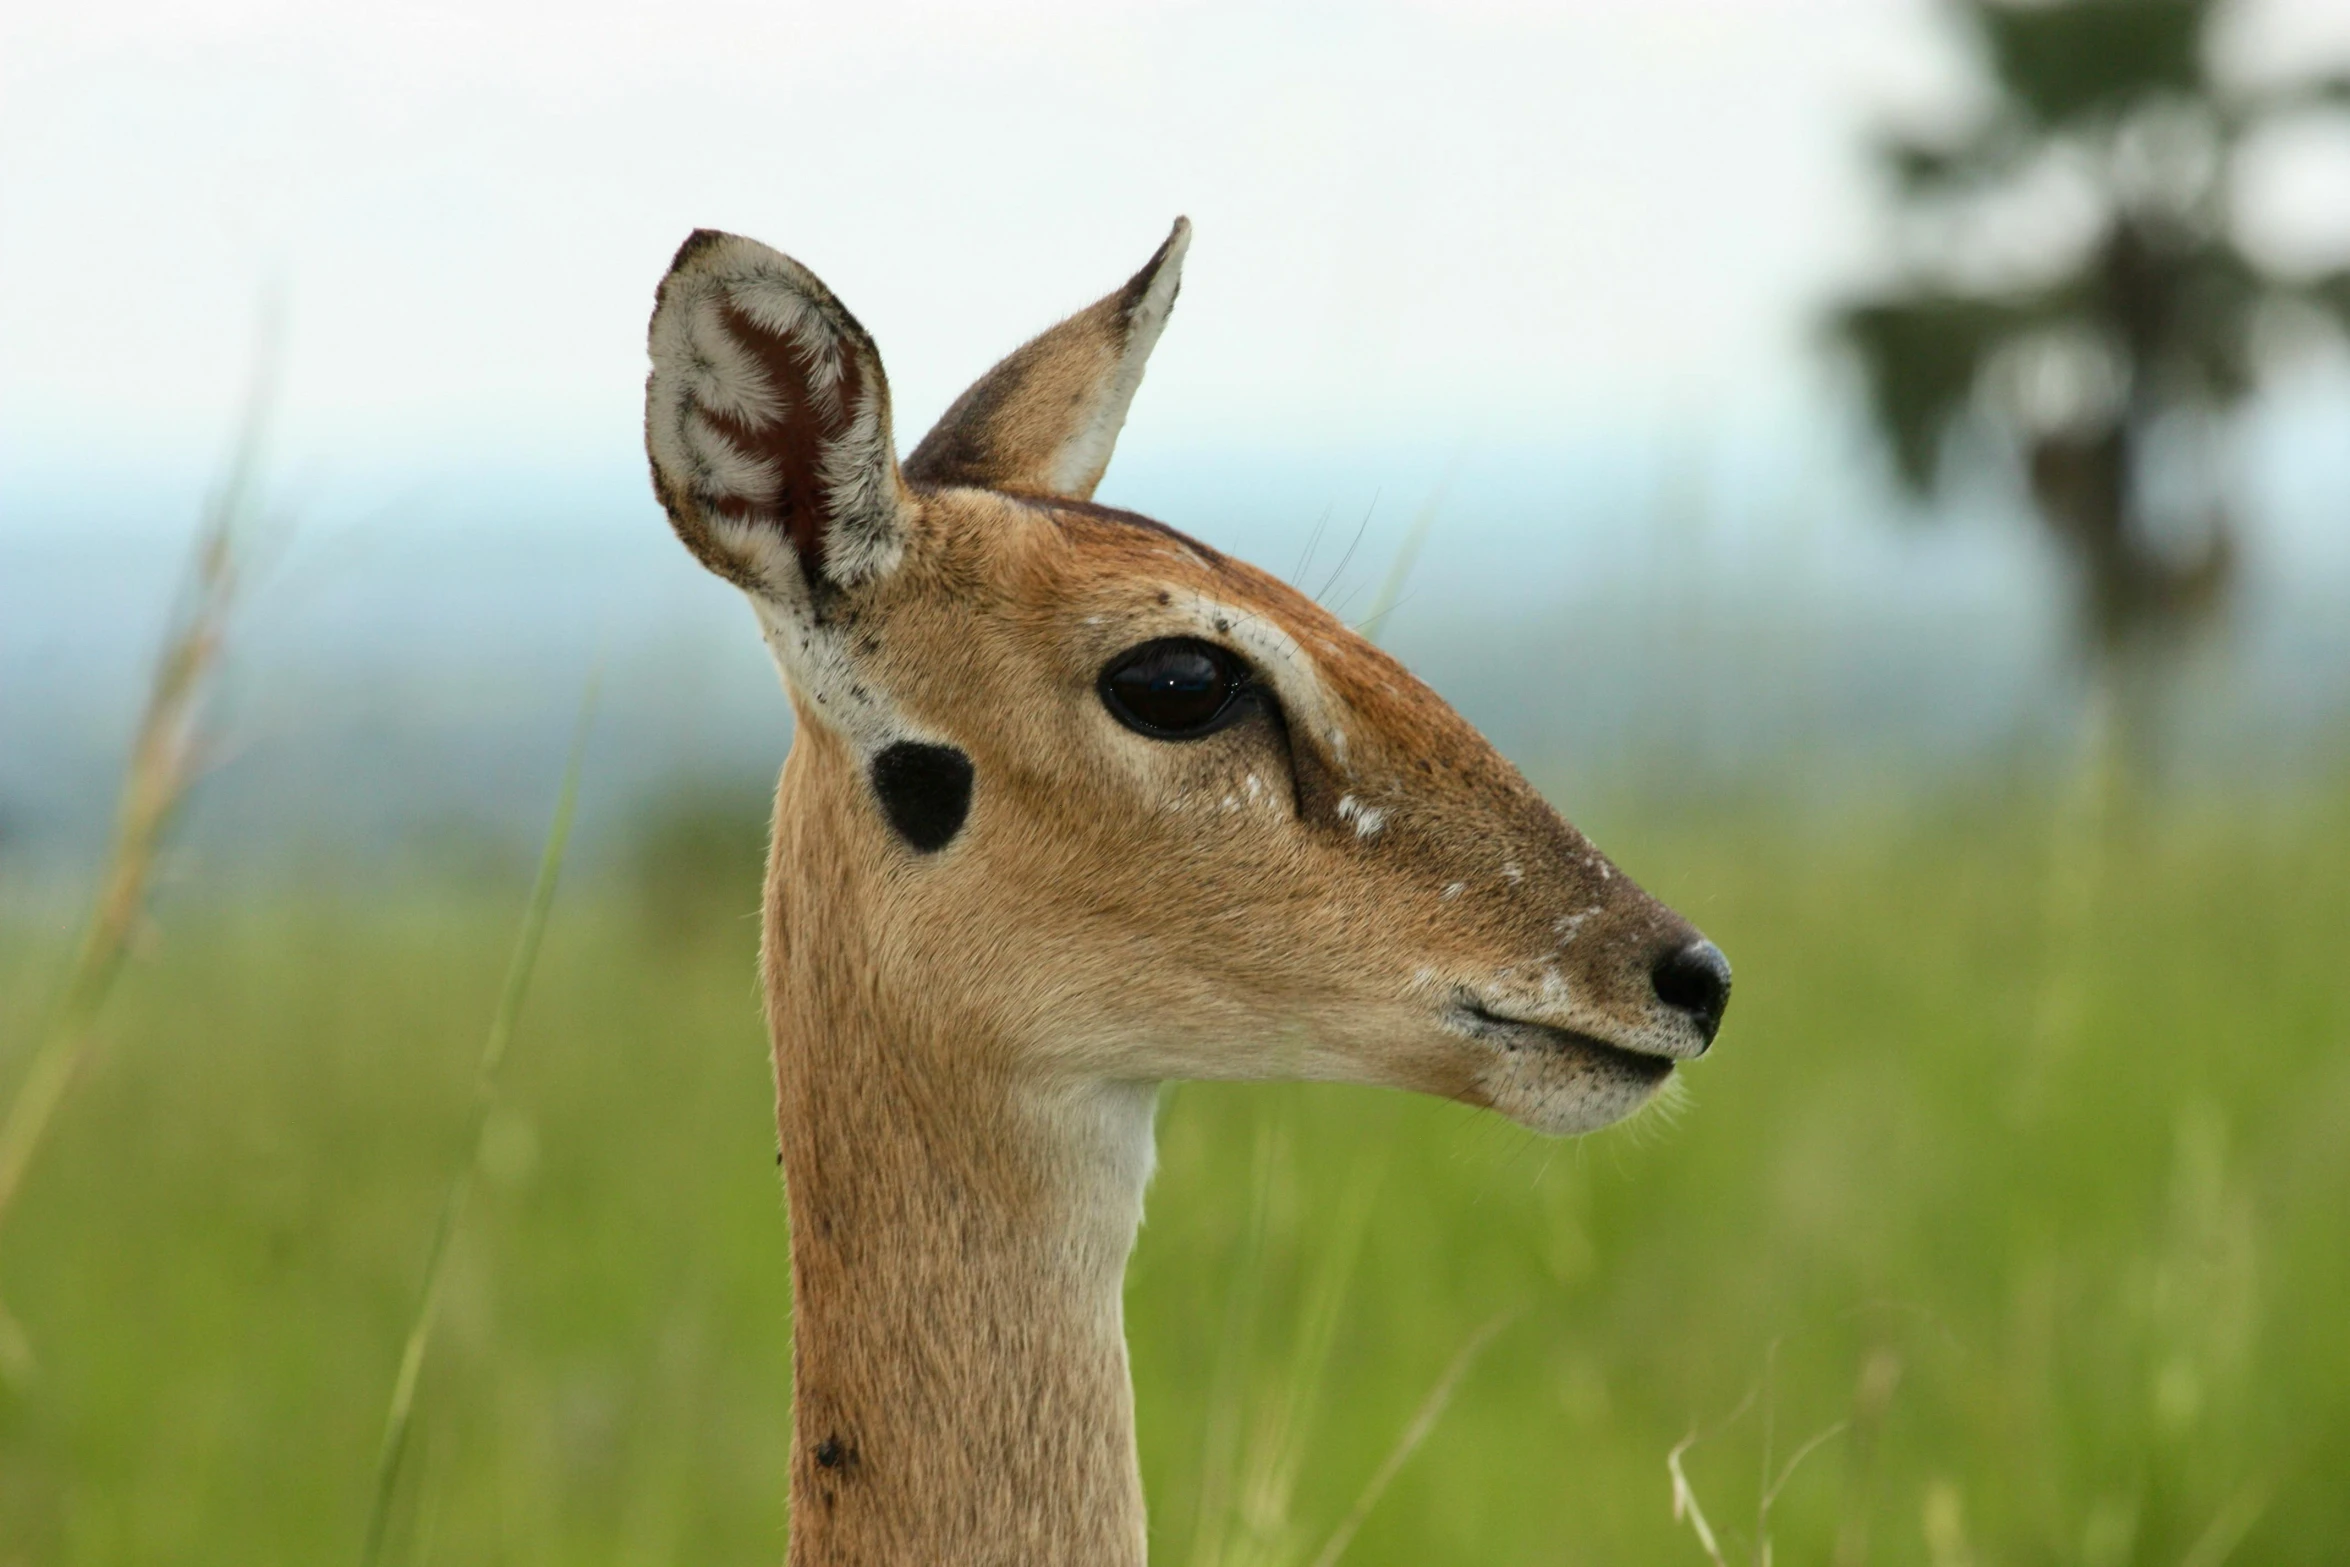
[{"x": 2056, "y": 1226}]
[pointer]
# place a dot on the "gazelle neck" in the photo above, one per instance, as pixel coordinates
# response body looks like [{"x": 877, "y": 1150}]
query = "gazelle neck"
[{"x": 959, "y": 1242}]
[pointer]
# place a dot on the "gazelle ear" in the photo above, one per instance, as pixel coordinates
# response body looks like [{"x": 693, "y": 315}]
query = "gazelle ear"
[
  {"x": 1043, "y": 422},
  {"x": 767, "y": 422}
]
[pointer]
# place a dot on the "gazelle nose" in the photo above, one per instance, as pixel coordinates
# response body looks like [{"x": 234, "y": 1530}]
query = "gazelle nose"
[{"x": 1694, "y": 980}]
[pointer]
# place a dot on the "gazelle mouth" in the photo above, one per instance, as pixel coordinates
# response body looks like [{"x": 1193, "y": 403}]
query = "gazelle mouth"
[{"x": 1515, "y": 1033}]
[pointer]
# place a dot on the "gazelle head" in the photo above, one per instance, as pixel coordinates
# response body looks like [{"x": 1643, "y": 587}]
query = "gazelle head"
[{"x": 1091, "y": 791}]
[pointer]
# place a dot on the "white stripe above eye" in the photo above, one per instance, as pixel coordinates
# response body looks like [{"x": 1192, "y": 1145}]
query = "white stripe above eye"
[{"x": 1306, "y": 702}]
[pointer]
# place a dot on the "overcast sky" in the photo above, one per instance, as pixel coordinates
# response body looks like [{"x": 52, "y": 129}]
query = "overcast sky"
[{"x": 1425, "y": 220}]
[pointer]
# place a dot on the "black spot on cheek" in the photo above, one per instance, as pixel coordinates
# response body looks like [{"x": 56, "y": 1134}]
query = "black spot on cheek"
[{"x": 925, "y": 792}]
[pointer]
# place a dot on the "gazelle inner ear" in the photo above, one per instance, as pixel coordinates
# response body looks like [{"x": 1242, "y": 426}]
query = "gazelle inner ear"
[
  {"x": 767, "y": 422},
  {"x": 1043, "y": 422}
]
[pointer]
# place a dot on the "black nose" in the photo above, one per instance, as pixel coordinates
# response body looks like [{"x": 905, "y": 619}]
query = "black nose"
[{"x": 1694, "y": 979}]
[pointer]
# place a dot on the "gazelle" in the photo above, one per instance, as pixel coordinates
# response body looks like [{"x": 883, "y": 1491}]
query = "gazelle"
[{"x": 1076, "y": 805}]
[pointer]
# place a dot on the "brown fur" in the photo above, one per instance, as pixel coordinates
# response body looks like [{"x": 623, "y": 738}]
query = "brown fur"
[
  {"x": 1349, "y": 884},
  {"x": 1010, "y": 429}
]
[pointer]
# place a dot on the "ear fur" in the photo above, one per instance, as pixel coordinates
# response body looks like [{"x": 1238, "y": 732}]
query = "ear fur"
[
  {"x": 767, "y": 423},
  {"x": 1043, "y": 422}
]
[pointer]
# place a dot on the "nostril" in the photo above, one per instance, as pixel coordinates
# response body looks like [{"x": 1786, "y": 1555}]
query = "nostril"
[{"x": 1694, "y": 979}]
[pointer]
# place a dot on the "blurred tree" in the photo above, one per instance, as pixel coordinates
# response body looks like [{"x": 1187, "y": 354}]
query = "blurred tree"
[{"x": 2069, "y": 282}]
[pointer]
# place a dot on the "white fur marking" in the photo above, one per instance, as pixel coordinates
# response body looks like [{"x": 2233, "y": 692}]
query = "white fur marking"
[
  {"x": 866, "y": 538},
  {"x": 1367, "y": 819},
  {"x": 723, "y": 470},
  {"x": 719, "y": 372},
  {"x": 776, "y": 305},
  {"x": 1273, "y": 651},
  {"x": 1570, "y": 924},
  {"x": 1086, "y": 453},
  {"x": 702, "y": 370}
]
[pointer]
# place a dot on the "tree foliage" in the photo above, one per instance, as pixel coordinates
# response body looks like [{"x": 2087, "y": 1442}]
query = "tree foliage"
[{"x": 2069, "y": 280}]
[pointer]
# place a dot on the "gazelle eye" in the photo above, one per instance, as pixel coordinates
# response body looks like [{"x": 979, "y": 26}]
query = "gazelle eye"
[{"x": 1178, "y": 688}]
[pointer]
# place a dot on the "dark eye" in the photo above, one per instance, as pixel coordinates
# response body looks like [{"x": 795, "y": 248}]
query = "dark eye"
[{"x": 1176, "y": 689}]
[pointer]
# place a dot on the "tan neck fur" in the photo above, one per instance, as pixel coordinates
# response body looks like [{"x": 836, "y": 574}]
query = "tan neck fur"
[{"x": 960, "y": 1230}]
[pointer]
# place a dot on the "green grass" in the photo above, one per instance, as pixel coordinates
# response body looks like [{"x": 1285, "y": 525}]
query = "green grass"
[{"x": 2080, "y": 1287}]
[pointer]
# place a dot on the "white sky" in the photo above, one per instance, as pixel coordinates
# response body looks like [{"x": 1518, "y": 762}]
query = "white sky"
[{"x": 1411, "y": 219}]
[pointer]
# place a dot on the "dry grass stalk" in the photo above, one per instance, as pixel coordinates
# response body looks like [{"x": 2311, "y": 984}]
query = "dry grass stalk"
[
  {"x": 1685, "y": 1505},
  {"x": 167, "y": 755},
  {"x": 399, "y": 1418},
  {"x": 1685, "y": 1502}
]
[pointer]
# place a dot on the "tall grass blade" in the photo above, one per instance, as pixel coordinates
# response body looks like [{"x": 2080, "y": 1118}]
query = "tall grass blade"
[
  {"x": 2080, "y": 834},
  {"x": 1770, "y": 1493},
  {"x": 1227, "y": 1398},
  {"x": 1407, "y": 554},
  {"x": 399, "y": 1418},
  {"x": 167, "y": 754},
  {"x": 1423, "y": 1421},
  {"x": 2234, "y": 1520},
  {"x": 1279, "y": 1441}
]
